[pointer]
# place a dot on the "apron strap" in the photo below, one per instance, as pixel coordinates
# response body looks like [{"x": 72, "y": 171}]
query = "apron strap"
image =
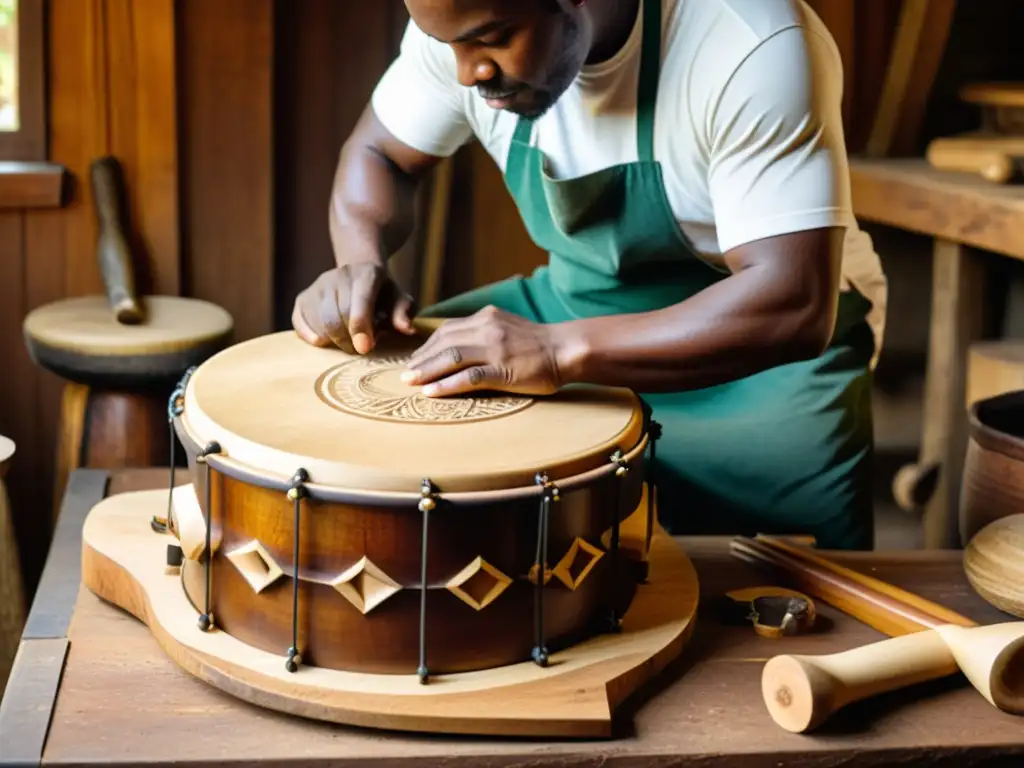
[{"x": 650, "y": 72}]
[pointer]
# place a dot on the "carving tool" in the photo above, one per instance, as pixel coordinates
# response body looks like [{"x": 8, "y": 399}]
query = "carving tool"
[{"x": 775, "y": 612}]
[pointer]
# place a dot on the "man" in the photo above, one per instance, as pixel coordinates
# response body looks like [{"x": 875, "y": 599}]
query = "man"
[{"x": 683, "y": 162}]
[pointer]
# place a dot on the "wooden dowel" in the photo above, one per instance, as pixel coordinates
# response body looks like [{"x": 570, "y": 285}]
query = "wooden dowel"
[
  {"x": 876, "y": 609},
  {"x": 941, "y": 613}
]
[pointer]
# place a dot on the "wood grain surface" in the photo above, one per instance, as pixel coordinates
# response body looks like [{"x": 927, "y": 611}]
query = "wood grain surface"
[
  {"x": 260, "y": 400},
  {"x": 122, "y": 702},
  {"x": 994, "y": 564},
  {"x": 959, "y": 207}
]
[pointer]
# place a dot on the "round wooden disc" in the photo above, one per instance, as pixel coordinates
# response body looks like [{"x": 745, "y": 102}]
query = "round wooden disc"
[
  {"x": 86, "y": 325},
  {"x": 577, "y": 695},
  {"x": 277, "y": 404},
  {"x": 80, "y": 340},
  {"x": 994, "y": 564}
]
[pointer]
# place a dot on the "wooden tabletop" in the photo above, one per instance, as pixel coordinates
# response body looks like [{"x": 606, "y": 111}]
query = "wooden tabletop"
[
  {"x": 116, "y": 699},
  {"x": 960, "y": 207}
]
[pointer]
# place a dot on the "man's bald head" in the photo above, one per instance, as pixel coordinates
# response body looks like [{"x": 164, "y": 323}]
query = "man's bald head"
[{"x": 520, "y": 54}]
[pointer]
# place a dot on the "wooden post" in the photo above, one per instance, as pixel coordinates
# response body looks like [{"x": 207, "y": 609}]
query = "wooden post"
[{"x": 957, "y": 315}]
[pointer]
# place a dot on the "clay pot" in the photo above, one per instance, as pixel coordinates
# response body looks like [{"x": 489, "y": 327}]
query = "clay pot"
[{"x": 993, "y": 479}]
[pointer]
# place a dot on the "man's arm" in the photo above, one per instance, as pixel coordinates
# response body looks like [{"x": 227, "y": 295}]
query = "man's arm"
[
  {"x": 778, "y": 182},
  {"x": 779, "y": 185},
  {"x": 372, "y": 201},
  {"x": 778, "y": 306},
  {"x": 414, "y": 118}
]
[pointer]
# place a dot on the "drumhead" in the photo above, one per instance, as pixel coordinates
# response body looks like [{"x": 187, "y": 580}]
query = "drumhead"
[{"x": 277, "y": 404}]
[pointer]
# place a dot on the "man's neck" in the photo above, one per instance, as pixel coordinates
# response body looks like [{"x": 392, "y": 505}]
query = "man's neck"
[{"x": 613, "y": 21}]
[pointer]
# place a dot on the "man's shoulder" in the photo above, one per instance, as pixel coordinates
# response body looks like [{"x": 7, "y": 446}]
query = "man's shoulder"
[
  {"x": 740, "y": 23},
  {"x": 709, "y": 40}
]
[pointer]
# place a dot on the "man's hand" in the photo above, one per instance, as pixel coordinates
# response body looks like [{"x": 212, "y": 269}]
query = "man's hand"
[
  {"x": 490, "y": 350},
  {"x": 348, "y": 305}
]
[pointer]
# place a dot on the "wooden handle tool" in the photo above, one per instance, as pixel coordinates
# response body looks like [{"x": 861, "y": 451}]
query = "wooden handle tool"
[
  {"x": 991, "y": 162},
  {"x": 802, "y": 692},
  {"x": 112, "y": 249},
  {"x": 931, "y": 642}
]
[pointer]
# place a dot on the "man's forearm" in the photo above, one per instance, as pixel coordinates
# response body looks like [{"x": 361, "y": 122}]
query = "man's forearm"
[
  {"x": 372, "y": 207},
  {"x": 751, "y": 321}
]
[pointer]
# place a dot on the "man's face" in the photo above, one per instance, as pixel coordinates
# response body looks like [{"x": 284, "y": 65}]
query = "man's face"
[{"x": 521, "y": 55}]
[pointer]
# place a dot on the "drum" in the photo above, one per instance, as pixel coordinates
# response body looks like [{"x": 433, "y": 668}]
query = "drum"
[{"x": 341, "y": 519}]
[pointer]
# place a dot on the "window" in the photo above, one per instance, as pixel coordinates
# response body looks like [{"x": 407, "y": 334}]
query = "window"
[{"x": 22, "y": 81}]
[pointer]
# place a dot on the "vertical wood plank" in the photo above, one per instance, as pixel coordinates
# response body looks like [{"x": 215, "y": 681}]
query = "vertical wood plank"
[
  {"x": 329, "y": 58},
  {"x": 227, "y": 157},
  {"x": 141, "y": 73},
  {"x": 16, "y": 391},
  {"x": 920, "y": 42},
  {"x": 78, "y": 133},
  {"x": 958, "y": 311}
]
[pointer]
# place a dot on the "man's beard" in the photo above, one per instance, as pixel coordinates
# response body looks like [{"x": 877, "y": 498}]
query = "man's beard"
[{"x": 562, "y": 74}]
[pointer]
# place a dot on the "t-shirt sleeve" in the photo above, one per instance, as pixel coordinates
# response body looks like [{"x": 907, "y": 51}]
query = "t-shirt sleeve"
[
  {"x": 420, "y": 100},
  {"x": 778, "y": 160}
]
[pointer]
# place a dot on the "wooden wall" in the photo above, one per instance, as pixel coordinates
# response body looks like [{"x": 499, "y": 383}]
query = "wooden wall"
[{"x": 228, "y": 116}]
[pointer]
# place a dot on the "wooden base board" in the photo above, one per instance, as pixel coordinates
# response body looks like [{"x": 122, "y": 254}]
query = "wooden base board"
[{"x": 124, "y": 563}]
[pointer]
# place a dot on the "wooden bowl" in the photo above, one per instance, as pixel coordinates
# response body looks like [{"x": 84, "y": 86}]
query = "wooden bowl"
[
  {"x": 994, "y": 564},
  {"x": 993, "y": 478}
]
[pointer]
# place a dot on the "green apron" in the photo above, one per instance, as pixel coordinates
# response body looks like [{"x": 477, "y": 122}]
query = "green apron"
[{"x": 785, "y": 451}]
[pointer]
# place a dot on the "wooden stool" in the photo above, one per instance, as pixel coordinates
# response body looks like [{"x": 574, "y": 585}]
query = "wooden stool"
[
  {"x": 12, "y": 596},
  {"x": 119, "y": 377}
]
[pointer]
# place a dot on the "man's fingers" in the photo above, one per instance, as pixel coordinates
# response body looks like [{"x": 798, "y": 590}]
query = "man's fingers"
[
  {"x": 305, "y": 330},
  {"x": 445, "y": 363},
  {"x": 333, "y": 321},
  {"x": 402, "y": 314},
  {"x": 366, "y": 284},
  {"x": 440, "y": 342},
  {"x": 470, "y": 379}
]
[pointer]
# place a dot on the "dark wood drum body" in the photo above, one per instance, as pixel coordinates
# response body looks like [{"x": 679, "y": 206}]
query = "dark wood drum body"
[
  {"x": 993, "y": 477},
  {"x": 363, "y": 547}
]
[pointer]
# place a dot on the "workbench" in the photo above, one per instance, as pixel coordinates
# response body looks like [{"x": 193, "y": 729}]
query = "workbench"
[
  {"x": 965, "y": 215},
  {"x": 91, "y": 686}
]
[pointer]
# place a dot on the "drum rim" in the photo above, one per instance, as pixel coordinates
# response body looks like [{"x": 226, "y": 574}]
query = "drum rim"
[
  {"x": 244, "y": 473},
  {"x": 568, "y": 472}
]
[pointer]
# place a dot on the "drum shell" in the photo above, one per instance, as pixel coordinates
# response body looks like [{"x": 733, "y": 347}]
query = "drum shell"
[{"x": 333, "y": 537}]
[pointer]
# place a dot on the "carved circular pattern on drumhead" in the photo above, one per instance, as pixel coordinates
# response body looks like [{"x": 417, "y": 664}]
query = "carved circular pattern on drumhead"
[{"x": 372, "y": 387}]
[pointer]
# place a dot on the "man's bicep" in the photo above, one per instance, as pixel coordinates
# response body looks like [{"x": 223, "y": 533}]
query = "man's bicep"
[
  {"x": 778, "y": 160},
  {"x": 419, "y": 100}
]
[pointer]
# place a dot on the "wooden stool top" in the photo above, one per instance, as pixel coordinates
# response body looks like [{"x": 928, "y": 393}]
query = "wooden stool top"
[
  {"x": 86, "y": 325},
  {"x": 79, "y": 338},
  {"x": 994, "y": 94}
]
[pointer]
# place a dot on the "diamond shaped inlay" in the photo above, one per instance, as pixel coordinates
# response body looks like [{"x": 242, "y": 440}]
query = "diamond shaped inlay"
[
  {"x": 577, "y": 563},
  {"x": 365, "y": 585},
  {"x": 478, "y": 584},
  {"x": 256, "y": 565}
]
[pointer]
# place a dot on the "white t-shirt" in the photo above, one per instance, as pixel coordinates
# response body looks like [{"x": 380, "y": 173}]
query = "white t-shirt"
[{"x": 748, "y": 125}]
